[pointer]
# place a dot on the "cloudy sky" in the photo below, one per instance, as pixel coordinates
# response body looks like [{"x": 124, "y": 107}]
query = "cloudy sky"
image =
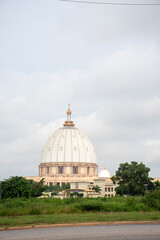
[{"x": 104, "y": 60}]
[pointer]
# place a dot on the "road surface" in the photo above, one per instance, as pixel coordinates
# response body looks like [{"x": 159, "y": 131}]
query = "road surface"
[{"x": 114, "y": 232}]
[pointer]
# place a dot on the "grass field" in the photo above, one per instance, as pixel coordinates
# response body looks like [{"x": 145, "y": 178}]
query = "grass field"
[
  {"x": 34, "y": 211},
  {"x": 78, "y": 218}
]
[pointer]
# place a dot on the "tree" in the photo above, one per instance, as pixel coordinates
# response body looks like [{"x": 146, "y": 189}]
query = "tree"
[
  {"x": 132, "y": 179},
  {"x": 15, "y": 187},
  {"x": 37, "y": 188},
  {"x": 156, "y": 185},
  {"x": 97, "y": 189}
]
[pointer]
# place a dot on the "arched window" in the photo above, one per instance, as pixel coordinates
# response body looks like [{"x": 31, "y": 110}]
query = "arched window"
[
  {"x": 75, "y": 170},
  {"x": 60, "y": 169}
]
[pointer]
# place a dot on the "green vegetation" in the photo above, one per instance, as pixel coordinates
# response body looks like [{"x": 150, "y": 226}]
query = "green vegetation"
[
  {"x": 153, "y": 200},
  {"x": 37, "y": 187},
  {"x": 97, "y": 189},
  {"x": 76, "y": 194},
  {"x": 55, "y": 189},
  {"x": 19, "y": 187},
  {"x": 29, "y": 211},
  {"x": 78, "y": 218},
  {"x": 36, "y": 206},
  {"x": 132, "y": 179},
  {"x": 15, "y": 187}
]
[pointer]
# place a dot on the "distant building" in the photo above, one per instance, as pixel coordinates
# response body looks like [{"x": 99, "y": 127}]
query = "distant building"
[{"x": 69, "y": 157}]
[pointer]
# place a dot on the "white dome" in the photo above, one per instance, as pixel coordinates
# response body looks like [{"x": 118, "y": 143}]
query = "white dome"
[
  {"x": 104, "y": 173},
  {"x": 68, "y": 144}
]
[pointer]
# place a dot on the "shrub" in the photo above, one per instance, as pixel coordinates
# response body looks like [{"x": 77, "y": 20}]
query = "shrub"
[
  {"x": 152, "y": 199},
  {"x": 91, "y": 205},
  {"x": 140, "y": 207},
  {"x": 15, "y": 187},
  {"x": 34, "y": 210}
]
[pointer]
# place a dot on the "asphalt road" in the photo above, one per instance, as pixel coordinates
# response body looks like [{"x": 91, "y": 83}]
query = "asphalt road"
[{"x": 114, "y": 232}]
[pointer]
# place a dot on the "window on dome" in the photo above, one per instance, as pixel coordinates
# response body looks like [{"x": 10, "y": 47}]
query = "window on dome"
[
  {"x": 47, "y": 170},
  {"x": 75, "y": 170},
  {"x": 87, "y": 170},
  {"x": 60, "y": 169}
]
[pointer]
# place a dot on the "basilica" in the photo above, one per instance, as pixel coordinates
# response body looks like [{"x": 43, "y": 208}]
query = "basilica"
[{"x": 69, "y": 156}]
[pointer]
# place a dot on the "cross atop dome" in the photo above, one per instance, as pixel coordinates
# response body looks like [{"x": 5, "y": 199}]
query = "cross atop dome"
[{"x": 68, "y": 122}]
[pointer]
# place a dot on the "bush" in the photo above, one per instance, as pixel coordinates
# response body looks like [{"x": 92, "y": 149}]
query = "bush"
[
  {"x": 36, "y": 206},
  {"x": 140, "y": 207},
  {"x": 91, "y": 205},
  {"x": 19, "y": 187},
  {"x": 34, "y": 210},
  {"x": 153, "y": 200},
  {"x": 15, "y": 187},
  {"x": 114, "y": 207}
]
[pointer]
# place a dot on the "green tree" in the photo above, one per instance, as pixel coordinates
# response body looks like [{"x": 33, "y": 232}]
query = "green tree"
[
  {"x": 97, "y": 189},
  {"x": 15, "y": 187},
  {"x": 156, "y": 185},
  {"x": 132, "y": 179},
  {"x": 65, "y": 186},
  {"x": 37, "y": 188}
]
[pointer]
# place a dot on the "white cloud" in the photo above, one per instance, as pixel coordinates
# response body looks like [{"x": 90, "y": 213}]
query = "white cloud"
[{"x": 104, "y": 62}]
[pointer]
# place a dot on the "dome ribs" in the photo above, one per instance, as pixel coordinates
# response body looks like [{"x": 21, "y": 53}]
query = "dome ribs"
[
  {"x": 64, "y": 145},
  {"x": 52, "y": 145},
  {"x": 71, "y": 146},
  {"x": 78, "y": 148},
  {"x": 58, "y": 148},
  {"x": 68, "y": 144}
]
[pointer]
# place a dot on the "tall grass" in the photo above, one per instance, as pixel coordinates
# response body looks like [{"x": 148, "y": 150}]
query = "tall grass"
[{"x": 35, "y": 206}]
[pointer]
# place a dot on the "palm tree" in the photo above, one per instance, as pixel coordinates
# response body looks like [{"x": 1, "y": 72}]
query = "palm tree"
[{"x": 97, "y": 189}]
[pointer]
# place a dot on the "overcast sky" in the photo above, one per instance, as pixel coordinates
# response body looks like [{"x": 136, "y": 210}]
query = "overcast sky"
[{"x": 103, "y": 60}]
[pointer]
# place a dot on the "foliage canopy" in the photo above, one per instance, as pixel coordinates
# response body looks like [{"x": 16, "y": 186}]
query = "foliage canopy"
[
  {"x": 17, "y": 187},
  {"x": 37, "y": 188},
  {"x": 97, "y": 189},
  {"x": 132, "y": 179}
]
